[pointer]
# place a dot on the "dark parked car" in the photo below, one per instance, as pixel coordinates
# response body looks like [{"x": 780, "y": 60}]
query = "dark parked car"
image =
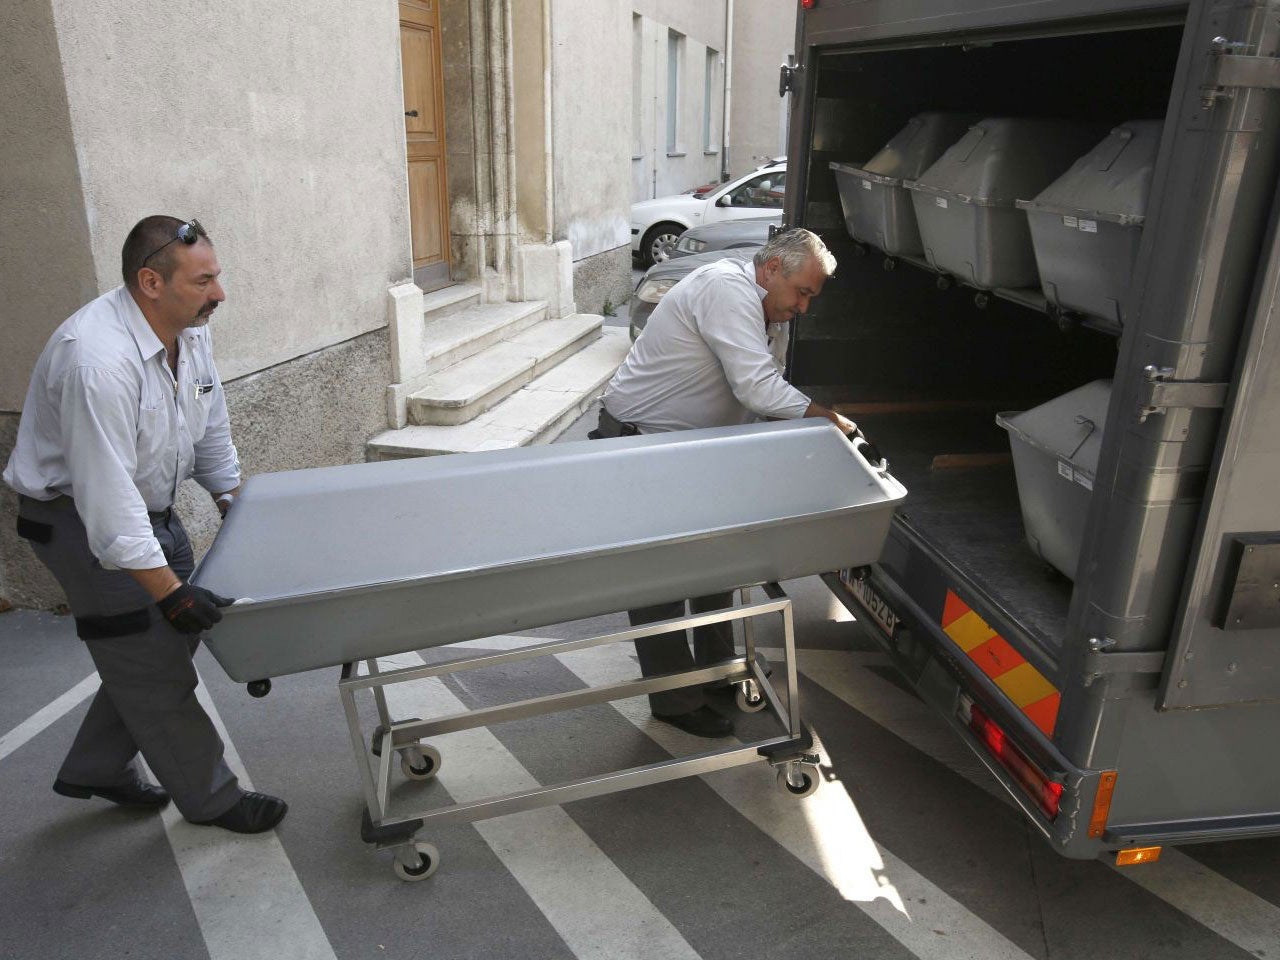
[{"x": 726, "y": 235}]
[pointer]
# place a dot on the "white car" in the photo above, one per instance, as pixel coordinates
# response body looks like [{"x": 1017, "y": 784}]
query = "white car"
[{"x": 656, "y": 225}]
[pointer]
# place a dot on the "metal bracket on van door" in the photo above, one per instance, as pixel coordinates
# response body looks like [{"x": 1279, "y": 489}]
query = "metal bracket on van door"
[
  {"x": 1102, "y": 661},
  {"x": 1229, "y": 68},
  {"x": 1159, "y": 393},
  {"x": 789, "y": 77}
]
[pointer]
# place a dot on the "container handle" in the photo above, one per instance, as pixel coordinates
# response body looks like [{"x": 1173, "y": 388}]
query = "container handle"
[{"x": 868, "y": 451}]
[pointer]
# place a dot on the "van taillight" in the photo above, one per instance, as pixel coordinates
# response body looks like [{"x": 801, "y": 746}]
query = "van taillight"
[{"x": 1046, "y": 793}]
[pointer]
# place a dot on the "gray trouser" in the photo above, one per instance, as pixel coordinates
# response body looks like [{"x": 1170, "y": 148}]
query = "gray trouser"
[
  {"x": 147, "y": 701},
  {"x": 669, "y": 652}
]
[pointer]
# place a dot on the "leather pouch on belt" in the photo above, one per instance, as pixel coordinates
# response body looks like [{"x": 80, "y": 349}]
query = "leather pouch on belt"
[{"x": 34, "y": 531}]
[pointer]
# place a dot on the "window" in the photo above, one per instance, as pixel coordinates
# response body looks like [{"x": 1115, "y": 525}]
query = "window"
[
  {"x": 709, "y": 140},
  {"x": 767, "y": 191},
  {"x": 675, "y": 53}
]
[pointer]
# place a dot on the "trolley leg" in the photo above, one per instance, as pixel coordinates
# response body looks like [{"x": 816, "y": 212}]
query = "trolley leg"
[
  {"x": 748, "y": 629},
  {"x": 418, "y": 761},
  {"x": 793, "y": 671},
  {"x": 373, "y": 803},
  {"x": 379, "y": 697},
  {"x": 748, "y": 695}
]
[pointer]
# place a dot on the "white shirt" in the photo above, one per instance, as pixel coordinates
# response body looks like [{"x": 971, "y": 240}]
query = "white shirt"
[
  {"x": 107, "y": 423},
  {"x": 706, "y": 358}
]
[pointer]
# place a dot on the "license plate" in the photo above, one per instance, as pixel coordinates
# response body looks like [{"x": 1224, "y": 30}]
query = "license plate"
[{"x": 874, "y": 604}]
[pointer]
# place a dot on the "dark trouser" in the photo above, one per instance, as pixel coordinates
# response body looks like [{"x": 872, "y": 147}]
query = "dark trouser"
[
  {"x": 669, "y": 652},
  {"x": 147, "y": 701}
]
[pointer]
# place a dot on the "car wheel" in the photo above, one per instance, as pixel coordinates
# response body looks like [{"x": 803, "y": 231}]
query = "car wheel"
[{"x": 659, "y": 240}]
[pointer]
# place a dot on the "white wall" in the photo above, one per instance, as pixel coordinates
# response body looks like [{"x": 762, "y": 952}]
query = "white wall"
[
  {"x": 763, "y": 36},
  {"x": 590, "y": 124},
  {"x": 656, "y": 170},
  {"x": 278, "y": 125},
  {"x": 46, "y": 272}
]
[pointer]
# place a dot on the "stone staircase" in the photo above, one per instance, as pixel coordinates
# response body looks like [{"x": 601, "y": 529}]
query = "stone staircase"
[{"x": 494, "y": 375}]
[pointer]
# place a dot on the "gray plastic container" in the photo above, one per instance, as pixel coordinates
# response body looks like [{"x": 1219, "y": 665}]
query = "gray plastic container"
[
  {"x": 1087, "y": 224},
  {"x": 965, "y": 203},
  {"x": 1055, "y": 458},
  {"x": 336, "y": 564},
  {"x": 877, "y": 208}
]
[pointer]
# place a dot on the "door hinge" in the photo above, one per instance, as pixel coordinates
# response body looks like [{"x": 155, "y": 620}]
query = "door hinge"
[
  {"x": 1103, "y": 661},
  {"x": 1158, "y": 393},
  {"x": 788, "y": 77},
  {"x": 1230, "y": 68}
]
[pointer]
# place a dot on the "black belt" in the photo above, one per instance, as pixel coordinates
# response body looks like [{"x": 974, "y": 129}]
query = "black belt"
[
  {"x": 63, "y": 502},
  {"x": 611, "y": 426}
]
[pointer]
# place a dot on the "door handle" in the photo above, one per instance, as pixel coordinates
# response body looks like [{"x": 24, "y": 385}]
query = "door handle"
[{"x": 411, "y": 113}]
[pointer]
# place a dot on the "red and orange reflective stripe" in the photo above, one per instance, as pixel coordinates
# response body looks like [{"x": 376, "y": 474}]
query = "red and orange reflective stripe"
[{"x": 1022, "y": 683}]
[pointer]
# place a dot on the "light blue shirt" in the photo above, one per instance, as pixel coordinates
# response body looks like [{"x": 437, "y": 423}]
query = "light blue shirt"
[
  {"x": 706, "y": 358},
  {"x": 107, "y": 423}
]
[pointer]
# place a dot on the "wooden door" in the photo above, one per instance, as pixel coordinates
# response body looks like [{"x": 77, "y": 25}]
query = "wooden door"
[{"x": 425, "y": 141}]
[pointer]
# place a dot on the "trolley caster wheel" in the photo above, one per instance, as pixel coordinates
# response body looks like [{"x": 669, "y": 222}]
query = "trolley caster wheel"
[
  {"x": 808, "y": 787},
  {"x": 375, "y": 739},
  {"x": 890, "y": 263},
  {"x": 859, "y": 249},
  {"x": 259, "y": 688},
  {"x": 428, "y": 858},
  {"x": 749, "y": 698},
  {"x": 943, "y": 283},
  {"x": 981, "y": 300},
  {"x": 420, "y": 763}
]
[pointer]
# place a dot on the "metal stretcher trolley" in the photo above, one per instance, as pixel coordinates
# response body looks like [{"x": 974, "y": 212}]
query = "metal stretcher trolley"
[{"x": 339, "y": 565}]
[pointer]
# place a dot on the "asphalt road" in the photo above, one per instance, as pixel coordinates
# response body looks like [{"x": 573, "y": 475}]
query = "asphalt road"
[{"x": 906, "y": 851}]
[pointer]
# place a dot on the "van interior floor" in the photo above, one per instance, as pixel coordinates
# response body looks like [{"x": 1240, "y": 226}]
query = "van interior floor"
[{"x": 962, "y": 498}]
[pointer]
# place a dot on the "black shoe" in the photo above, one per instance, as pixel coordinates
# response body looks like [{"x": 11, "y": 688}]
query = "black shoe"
[
  {"x": 252, "y": 813},
  {"x": 703, "y": 722},
  {"x": 146, "y": 795}
]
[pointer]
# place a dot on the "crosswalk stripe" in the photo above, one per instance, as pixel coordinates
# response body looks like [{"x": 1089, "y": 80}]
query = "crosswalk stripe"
[
  {"x": 48, "y": 715},
  {"x": 550, "y": 856},
  {"x": 247, "y": 898},
  {"x": 502, "y": 642},
  {"x": 826, "y": 833},
  {"x": 1212, "y": 900},
  {"x": 1209, "y": 898}
]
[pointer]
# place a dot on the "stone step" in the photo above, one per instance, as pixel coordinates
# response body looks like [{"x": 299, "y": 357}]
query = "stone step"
[
  {"x": 466, "y": 389},
  {"x": 454, "y": 335},
  {"x": 536, "y": 413},
  {"x": 449, "y": 299}
]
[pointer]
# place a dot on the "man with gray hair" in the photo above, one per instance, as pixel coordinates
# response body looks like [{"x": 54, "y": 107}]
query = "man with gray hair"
[{"x": 712, "y": 355}]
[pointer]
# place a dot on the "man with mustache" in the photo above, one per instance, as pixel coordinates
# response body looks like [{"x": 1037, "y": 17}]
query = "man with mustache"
[
  {"x": 712, "y": 355},
  {"x": 124, "y": 404}
]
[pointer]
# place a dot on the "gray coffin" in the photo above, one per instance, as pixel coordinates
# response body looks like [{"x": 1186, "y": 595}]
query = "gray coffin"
[
  {"x": 1055, "y": 460},
  {"x": 1087, "y": 224},
  {"x": 367, "y": 560},
  {"x": 964, "y": 203},
  {"x": 877, "y": 207}
]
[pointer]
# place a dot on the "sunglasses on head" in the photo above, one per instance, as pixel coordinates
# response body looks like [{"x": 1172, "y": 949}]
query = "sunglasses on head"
[{"x": 188, "y": 233}]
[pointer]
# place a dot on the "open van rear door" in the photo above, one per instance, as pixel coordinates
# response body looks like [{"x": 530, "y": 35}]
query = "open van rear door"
[{"x": 1226, "y": 643}]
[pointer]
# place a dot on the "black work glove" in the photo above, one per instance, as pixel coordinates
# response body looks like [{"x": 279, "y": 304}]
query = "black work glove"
[{"x": 192, "y": 609}]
